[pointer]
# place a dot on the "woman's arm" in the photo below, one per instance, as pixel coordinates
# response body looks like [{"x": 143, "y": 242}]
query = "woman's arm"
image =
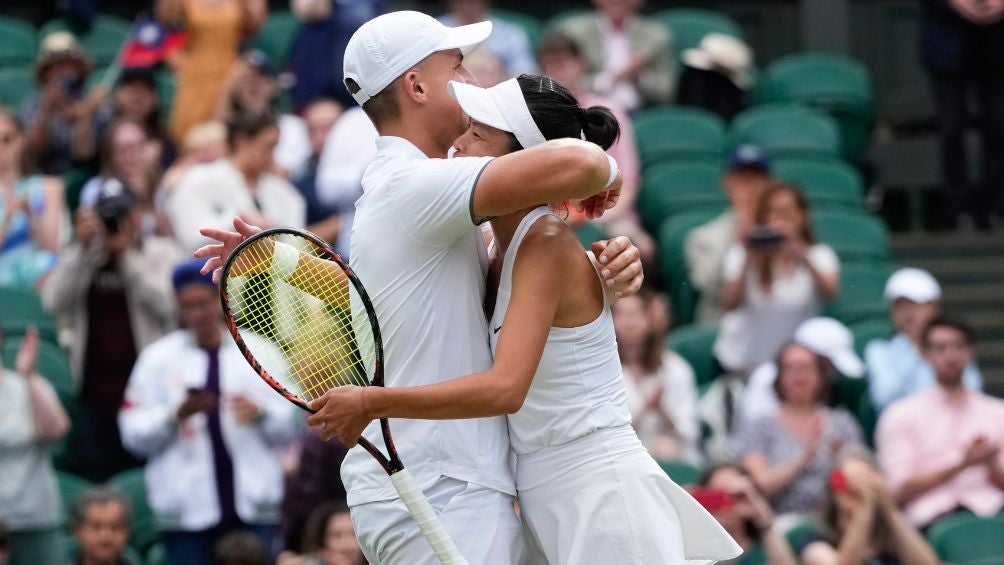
[
  {"x": 774, "y": 479},
  {"x": 49, "y": 417},
  {"x": 46, "y": 227},
  {"x": 254, "y": 13},
  {"x": 909, "y": 545},
  {"x": 734, "y": 289},
  {"x": 828, "y": 284}
]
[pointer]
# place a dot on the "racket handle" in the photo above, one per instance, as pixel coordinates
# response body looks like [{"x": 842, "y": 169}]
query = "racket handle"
[{"x": 428, "y": 522}]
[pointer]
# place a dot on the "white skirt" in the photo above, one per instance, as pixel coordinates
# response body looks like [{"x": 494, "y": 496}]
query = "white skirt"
[{"x": 602, "y": 499}]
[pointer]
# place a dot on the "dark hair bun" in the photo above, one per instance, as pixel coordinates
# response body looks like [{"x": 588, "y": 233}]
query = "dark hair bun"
[{"x": 600, "y": 126}]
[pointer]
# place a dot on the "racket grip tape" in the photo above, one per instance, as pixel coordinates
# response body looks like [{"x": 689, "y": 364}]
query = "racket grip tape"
[{"x": 428, "y": 522}]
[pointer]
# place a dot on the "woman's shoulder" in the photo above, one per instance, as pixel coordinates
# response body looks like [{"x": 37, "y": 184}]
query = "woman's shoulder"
[{"x": 551, "y": 236}]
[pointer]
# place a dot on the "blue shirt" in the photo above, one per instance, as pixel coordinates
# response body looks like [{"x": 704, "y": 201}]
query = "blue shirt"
[{"x": 896, "y": 370}]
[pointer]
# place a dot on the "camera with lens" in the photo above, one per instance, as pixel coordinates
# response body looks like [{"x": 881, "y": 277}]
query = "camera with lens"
[
  {"x": 763, "y": 238},
  {"x": 115, "y": 202}
]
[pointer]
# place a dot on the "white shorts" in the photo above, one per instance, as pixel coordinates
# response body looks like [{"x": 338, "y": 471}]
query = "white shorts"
[
  {"x": 603, "y": 499},
  {"x": 480, "y": 520}
]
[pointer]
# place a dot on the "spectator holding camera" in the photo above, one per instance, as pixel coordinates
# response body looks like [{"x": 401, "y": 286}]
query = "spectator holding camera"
[
  {"x": 862, "y": 522},
  {"x": 728, "y": 492},
  {"x": 31, "y": 418},
  {"x": 745, "y": 180},
  {"x": 32, "y": 211},
  {"x": 790, "y": 454},
  {"x": 775, "y": 278},
  {"x": 943, "y": 448},
  {"x": 113, "y": 283}
]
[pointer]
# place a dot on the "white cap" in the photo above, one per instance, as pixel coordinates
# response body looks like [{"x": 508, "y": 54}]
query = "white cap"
[
  {"x": 916, "y": 285},
  {"x": 723, "y": 52},
  {"x": 501, "y": 107},
  {"x": 387, "y": 46},
  {"x": 831, "y": 339}
]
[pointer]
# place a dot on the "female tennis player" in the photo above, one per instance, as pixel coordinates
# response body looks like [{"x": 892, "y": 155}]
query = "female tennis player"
[{"x": 588, "y": 490}]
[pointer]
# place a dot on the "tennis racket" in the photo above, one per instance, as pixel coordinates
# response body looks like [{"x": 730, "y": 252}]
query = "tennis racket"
[{"x": 304, "y": 322}]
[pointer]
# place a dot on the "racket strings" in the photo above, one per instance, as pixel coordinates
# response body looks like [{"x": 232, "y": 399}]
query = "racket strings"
[{"x": 305, "y": 326}]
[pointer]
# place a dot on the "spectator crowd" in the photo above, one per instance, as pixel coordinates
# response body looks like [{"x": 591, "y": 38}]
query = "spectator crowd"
[{"x": 807, "y": 443}]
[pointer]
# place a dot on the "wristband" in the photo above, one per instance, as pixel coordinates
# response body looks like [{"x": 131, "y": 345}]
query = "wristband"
[
  {"x": 284, "y": 260},
  {"x": 613, "y": 172}
]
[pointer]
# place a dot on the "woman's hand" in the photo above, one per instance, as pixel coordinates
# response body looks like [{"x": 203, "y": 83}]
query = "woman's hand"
[
  {"x": 341, "y": 413},
  {"x": 27, "y": 355}
]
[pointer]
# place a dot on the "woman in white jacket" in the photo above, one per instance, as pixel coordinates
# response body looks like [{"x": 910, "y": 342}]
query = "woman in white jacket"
[{"x": 209, "y": 428}]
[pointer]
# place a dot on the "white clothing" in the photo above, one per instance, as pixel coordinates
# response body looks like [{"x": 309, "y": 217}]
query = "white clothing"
[
  {"x": 349, "y": 147},
  {"x": 755, "y": 331},
  {"x": 423, "y": 263},
  {"x": 589, "y": 491},
  {"x": 479, "y": 520},
  {"x": 678, "y": 401},
  {"x": 293, "y": 150},
  {"x": 210, "y": 195},
  {"x": 616, "y": 57},
  {"x": 759, "y": 399},
  {"x": 578, "y": 387},
  {"x": 180, "y": 478}
]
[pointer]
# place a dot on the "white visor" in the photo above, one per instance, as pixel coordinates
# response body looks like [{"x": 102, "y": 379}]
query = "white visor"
[{"x": 501, "y": 107}]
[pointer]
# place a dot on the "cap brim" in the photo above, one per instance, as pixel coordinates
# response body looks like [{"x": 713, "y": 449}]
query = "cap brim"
[
  {"x": 466, "y": 38},
  {"x": 478, "y": 103},
  {"x": 697, "y": 59},
  {"x": 849, "y": 364}
]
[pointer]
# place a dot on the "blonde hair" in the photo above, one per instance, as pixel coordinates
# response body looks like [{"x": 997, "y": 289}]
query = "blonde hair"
[{"x": 204, "y": 134}]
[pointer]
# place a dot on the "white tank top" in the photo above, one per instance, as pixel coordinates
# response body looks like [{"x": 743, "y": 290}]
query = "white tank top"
[{"x": 578, "y": 387}]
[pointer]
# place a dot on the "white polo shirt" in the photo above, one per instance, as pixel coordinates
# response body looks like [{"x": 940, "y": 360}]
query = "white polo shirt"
[{"x": 423, "y": 263}]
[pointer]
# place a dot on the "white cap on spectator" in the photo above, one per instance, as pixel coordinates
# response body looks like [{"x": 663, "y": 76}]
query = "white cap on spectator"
[
  {"x": 387, "y": 46},
  {"x": 501, "y": 107},
  {"x": 724, "y": 53},
  {"x": 913, "y": 284},
  {"x": 831, "y": 339}
]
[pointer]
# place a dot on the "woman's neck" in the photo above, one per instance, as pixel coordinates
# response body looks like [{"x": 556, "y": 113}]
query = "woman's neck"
[
  {"x": 504, "y": 228},
  {"x": 798, "y": 410},
  {"x": 9, "y": 175}
]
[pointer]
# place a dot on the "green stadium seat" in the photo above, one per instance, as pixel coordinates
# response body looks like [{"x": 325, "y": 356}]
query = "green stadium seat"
[
  {"x": 796, "y": 132},
  {"x": 70, "y": 486},
  {"x": 676, "y": 133},
  {"x": 18, "y": 43},
  {"x": 672, "y": 238},
  {"x": 589, "y": 233},
  {"x": 694, "y": 344},
  {"x": 828, "y": 182},
  {"x": 276, "y": 36},
  {"x": 860, "y": 298},
  {"x": 73, "y": 183},
  {"x": 157, "y": 555},
  {"x": 838, "y": 85},
  {"x": 867, "y": 416},
  {"x": 554, "y": 23},
  {"x": 689, "y": 25},
  {"x": 681, "y": 472},
  {"x": 21, "y": 308},
  {"x": 672, "y": 188},
  {"x": 964, "y": 538},
  {"x": 867, "y": 331},
  {"x": 855, "y": 236},
  {"x": 531, "y": 25},
  {"x": 16, "y": 84},
  {"x": 166, "y": 84},
  {"x": 102, "y": 40},
  {"x": 797, "y": 535},
  {"x": 132, "y": 484}
]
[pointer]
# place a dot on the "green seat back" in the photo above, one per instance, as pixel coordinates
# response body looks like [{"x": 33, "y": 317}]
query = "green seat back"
[
  {"x": 555, "y": 22},
  {"x": 166, "y": 84},
  {"x": 869, "y": 330},
  {"x": 797, "y": 535},
  {"x": 531, "y": 25},
  {"x": 855, "y": 236},
  {"x": 694, "y": 343},
  {"x": 16, "y": 84},
  {"x": 102, "y": 40},
  {"x": 70, "y": 486},
  {"x": 73, "y": 184},
  {"x": 860, "y": 298},
  {"x": 18, "y": 43},
  {"x": 21, "y": 308},
  {"x": 826, "y": 182},
  {"x": 276, "y": 36},
  {"x": 965, "y": 538},
  {"x": 787, "y": 133},
  {"x": 681, "y": 472},
  {"x": 675, "y": 133},
  {"x": 672, "y": 239},
  {"x": 672, "y": 188},
  {"x": 132, "y": 484},
  {"x": 157, "y": 555},
  {"x": 689, "y": 25},
  {"x": 589, "y": 233}
]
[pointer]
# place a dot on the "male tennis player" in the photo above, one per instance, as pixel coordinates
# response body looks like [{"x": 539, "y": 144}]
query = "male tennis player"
[{"x": 417, "y": 248}]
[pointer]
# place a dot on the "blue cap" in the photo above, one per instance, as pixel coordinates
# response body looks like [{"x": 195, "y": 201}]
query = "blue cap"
[
  {"x": 749, "y": 156},
  {"x": 187, "y": 273}
]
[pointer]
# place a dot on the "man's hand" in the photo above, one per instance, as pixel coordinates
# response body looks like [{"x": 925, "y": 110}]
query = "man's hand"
[
  {"x": 216, "y": 254},
  {"x": 196, "y": 401},
  {"x": 245, "y": 410},
  {"x": 594, "y": 206},
  {"x": 619, "y": 263},
  {"x": 342, "y": 413},
  {"x": 980, "y": 452},
  {"x": 27, "y": 355}
]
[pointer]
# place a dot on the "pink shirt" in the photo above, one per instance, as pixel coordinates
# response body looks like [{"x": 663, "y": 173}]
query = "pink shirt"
[{"x": 928, "y": 432}]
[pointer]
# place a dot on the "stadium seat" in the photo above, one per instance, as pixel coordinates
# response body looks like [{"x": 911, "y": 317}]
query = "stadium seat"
[
  {"x": 672, "y": 238},
  {"x": 672, "y": 188},
  {"x": 18, "y": 43},
  {"x": 157, "y": 555},
  {"x": 16, "y": 84},
  {"x": 855, "y": 236},
  {"x": 531, "y": 25},
  {"x": 860, "y": 297},
  {"x": 868, "y": 330},
  {"x": 838, "y": 85},
  {"x": 681, "y": 472},
  {"x": 276, "y": 36},
  {"x": 676, "y": 133},
  {"x": 867, "y": 416},
  {"x": 102, "y": 40},
  {"x": 73, "y": 183},
  {"x": 791, "y": 131},
  {"x": 689, "y": 25},
  {"x": 826, "y": 183},
  {"x": 589, "y": 233},
  {"x": 556, "y": 21},
  {"x": 797, "y": 535},
  {"x": 166, "y": 84},
  {"x": 21, "y": 308},
  {"x": 964, "y": 538},
  {"x": 694, "y": 344},
  {"x": 70, "y": 486},
  {"x": 132, "y": 484}
]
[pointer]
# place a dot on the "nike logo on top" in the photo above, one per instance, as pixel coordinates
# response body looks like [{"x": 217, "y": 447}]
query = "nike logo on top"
[{"x": 497, "y": 329}]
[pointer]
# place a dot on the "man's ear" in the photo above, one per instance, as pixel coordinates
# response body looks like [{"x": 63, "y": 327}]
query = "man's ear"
[{"x": 414, "y": 87}]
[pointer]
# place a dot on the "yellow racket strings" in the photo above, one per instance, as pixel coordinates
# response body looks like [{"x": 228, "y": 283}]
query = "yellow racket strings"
[{"x": 316, "y": 333}]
